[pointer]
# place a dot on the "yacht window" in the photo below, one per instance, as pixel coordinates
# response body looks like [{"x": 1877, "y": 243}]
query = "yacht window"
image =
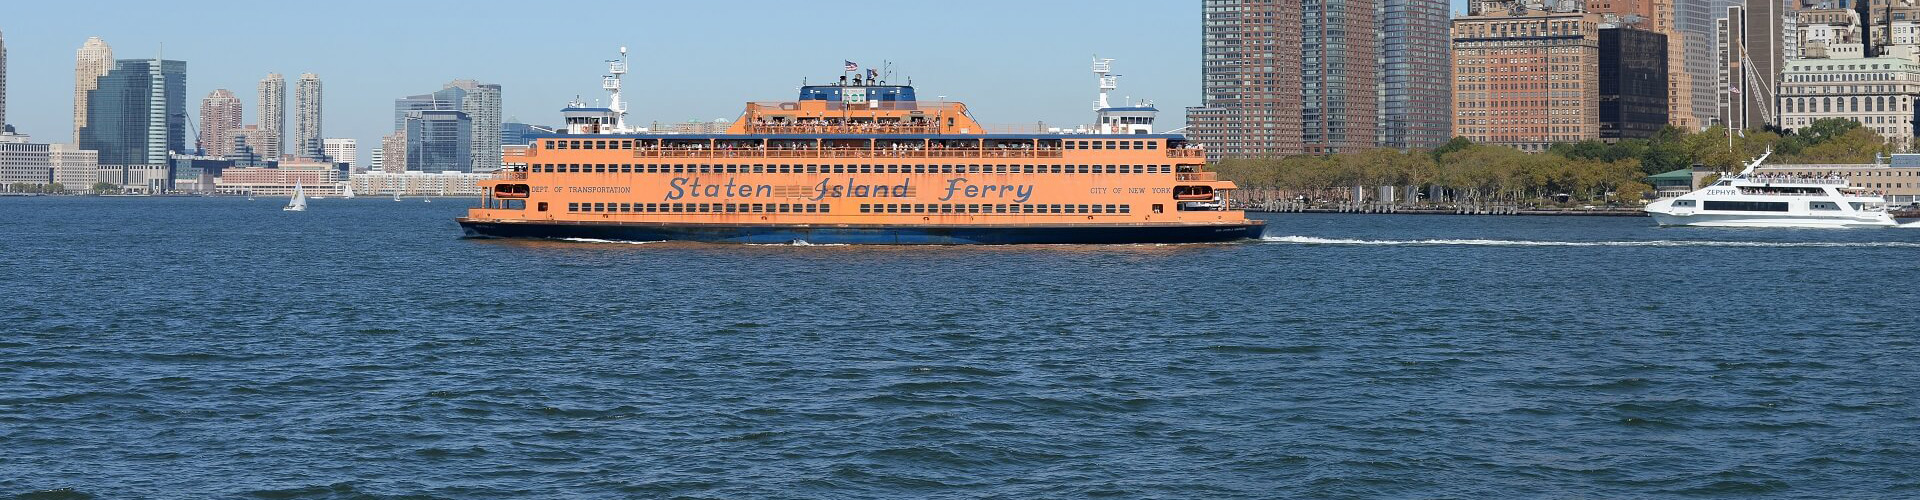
[
  {"x": 1748, "y": 206},
  {"x": 1822, "y": 205},
  {"x": 1683, "y": 203}
]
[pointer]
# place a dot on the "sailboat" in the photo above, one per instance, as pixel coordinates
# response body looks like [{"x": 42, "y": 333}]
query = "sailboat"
[
  {"x": 249, "y": 195},
  {"x": 299, "y": 201},
  {"x": 349, "y": 192}
]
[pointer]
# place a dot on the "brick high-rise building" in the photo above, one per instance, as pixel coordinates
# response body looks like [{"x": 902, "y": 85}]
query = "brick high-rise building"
[
  {"x": 219, "y": 117},
  {"x": 1284, "y": 77},
  {"x": 1249, "y": 78},
  {"x": 1526, "y": 79}
]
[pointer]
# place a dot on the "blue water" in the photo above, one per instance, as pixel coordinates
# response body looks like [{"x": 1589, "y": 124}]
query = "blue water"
[{"x": 219, "y": 348}]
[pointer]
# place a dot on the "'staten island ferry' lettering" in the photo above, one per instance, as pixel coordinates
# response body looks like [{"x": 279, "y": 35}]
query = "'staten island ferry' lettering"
[{"x": 854, "y": 163}]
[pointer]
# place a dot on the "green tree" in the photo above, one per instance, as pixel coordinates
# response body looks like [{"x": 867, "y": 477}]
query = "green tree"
[{"x": 104, "y": 188}]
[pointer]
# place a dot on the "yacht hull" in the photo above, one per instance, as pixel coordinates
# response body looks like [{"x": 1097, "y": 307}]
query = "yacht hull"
[{"x": 1799, "y": 221}]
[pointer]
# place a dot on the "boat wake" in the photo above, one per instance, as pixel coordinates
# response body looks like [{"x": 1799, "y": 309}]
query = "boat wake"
[
  {"x": 597, "y": 240},
  {"x": 1310, "y": 240}
]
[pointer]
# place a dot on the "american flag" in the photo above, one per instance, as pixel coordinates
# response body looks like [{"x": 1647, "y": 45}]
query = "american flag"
[{"x": 851, "y": 66}]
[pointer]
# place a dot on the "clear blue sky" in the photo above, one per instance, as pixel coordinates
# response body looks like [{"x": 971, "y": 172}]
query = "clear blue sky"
[{"x": 1011, "y": 61}]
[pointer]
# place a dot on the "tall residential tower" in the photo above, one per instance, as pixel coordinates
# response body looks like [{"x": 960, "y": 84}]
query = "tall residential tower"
[
  {"x": 306, "y": 117},
  {"x": 273, "y": 116},
  {"x": 93, "y": 60},
  {"x": 219, "y": 117}
]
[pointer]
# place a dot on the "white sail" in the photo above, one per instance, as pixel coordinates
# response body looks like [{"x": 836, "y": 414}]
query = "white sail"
[
  {"x": 299, "y": 201},
  {"x": 349, "y": 192}
]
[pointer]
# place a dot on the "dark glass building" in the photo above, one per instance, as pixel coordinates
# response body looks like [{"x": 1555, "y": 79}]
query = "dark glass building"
[
  {"x": 1416, "y": 81},
  {"x": 439, "y": 140},
  {"x": 1633, "y": 83},
  {"x": 138, "y": 113}
]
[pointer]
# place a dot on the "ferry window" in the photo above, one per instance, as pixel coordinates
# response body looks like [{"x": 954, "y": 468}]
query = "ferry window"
[
  {"x": 865, "y": 208},
  {"x": 1112, "y": 209},
  {"x": 1153, "y": 144},
  {"x": 825, "y": 208},
  {"x": 813, "y": 169},
  {"x": 1157, "y": 208},
  {"x": 1085, "y": 169},
  {"x": 599, "y": 207},
  {"x": 1747, "y": 206},
  {"x": 1000, "y": 209},
  {"x": 573, "y": 207},
  {"x": 1052, "y": 209},
  {"x": 548, "y": 144},
  {"x": 1126, "y": 209},
  {"x": 623, "y": 208}
]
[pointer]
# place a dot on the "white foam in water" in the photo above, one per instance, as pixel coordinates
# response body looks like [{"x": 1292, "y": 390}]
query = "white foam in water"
[
  {"x": 597, "y": 240},
  {"x": 1310, "y": 240}
]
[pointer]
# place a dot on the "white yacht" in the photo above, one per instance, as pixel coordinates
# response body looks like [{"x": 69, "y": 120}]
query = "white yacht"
[{"x": 1750, "y": 200}]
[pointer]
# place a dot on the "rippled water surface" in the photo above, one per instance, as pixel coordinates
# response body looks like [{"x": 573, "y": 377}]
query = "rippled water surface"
[{"x": 193, "y": 348}]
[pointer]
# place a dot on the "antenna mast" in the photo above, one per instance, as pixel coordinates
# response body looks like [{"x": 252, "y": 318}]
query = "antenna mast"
[
  {"x": 1101, "y": 68},
  {"x": 617, "y": 68}
]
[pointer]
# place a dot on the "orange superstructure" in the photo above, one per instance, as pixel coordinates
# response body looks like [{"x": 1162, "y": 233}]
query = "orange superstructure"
[{"x": 838, "y": 168}]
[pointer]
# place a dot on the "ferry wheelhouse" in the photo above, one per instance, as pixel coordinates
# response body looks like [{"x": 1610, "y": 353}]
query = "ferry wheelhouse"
[
  {"x": 854, "y": 163},
  {"x": 1751, "y": 200}
]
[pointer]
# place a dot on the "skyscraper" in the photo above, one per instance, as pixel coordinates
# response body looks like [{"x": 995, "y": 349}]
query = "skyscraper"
[
  {"x": 93, "y": 60},
  {"x": 306, "y": 117},
  {"x": 1416, "y": 86},
  {"x": 3, "y": 82},
  {"x": 138, "y": 114},
  {"x": 273, "y": 116},
  {"x": 481, "y": 102},
  {"x": 439, "y": 141},
  {"x": 1339, "y": 67},
  {"x": 1633, "y": 83},
  {"x": 1694, "y": 22},
  {"x": 1282, "y": 77},
  {"x": 1249, "y": 79},
  {"x": 219, "y": 117}
]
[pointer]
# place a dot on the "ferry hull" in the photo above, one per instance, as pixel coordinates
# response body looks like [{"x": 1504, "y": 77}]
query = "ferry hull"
[
  {"x": 871, "y": 235},
  {"x": 1731, "y": 220}
]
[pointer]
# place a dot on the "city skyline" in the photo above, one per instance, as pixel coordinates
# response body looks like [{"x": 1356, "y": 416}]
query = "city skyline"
[{"x": 680, "y": 72}]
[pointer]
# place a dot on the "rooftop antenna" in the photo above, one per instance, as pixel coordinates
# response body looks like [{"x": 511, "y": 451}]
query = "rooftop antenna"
[
  {"x": 1108, "y": 82},
  {"x": 616, "y": 68}
]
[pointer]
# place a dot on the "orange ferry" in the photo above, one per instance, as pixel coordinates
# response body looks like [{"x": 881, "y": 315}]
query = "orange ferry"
[{"x": 851, "y": 163}]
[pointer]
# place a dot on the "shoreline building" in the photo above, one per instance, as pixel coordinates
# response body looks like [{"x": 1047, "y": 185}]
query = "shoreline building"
[
  {"x": 1526, "y": 78},
  {"x": 93, "y": 60},
  {"x": 342, "y": 151},
  {"x": 426, "y": 119},
  {"x": 306, "y": 141},
  {"x": 1633, "y": 83},
  {"x": 74, "y": 168},
  {"x": 23, "y": 161},
  {"x": 273, "y": 116},
  {"x": 417, "y": 183},
  {"x": 220, "y": 115},
  {"x": 138, "y": 113},
  {"x": 1250, "y": 88},
  {"x": 1880, "y": 93}
]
